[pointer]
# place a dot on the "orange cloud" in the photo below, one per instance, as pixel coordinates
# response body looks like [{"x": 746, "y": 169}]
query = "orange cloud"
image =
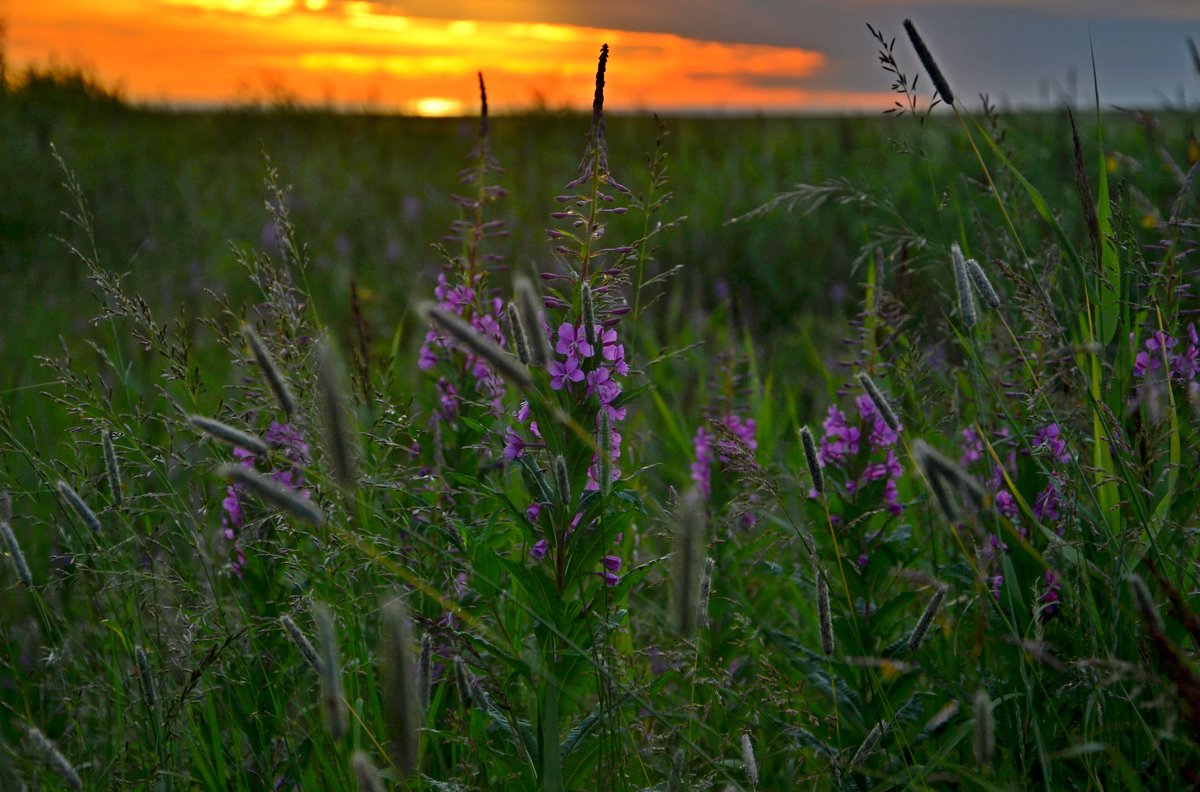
[{"x": 359, "y": 52}]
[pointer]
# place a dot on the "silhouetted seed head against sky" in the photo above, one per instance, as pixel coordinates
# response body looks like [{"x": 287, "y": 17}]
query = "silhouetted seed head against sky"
[{"x": 716, "y": 56}]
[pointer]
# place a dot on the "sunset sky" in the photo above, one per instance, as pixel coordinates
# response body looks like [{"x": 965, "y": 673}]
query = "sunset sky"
[{"x": 421, "y": 56}]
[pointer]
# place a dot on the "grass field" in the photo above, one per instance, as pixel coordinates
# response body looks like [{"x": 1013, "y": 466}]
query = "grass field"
[{"x": 612, "y": 563}]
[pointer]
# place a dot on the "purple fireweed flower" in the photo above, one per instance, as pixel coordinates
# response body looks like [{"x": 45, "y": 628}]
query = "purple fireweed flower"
[
  {"x": 702, "y": 465},
  {"x": 539, "y": 549},
  {"x": 514, "y": 445},
  {"x": 1050, "y": 437},
  {"x": 972, "y": 447},
  {"x": 612, "y": 563},
  {"x": 564, "y": 372},
  {"x": 1006, "y": 504},
  {"x": 996, "y": 581},
  {"x": 1045, "y": 505},
  {"x": 1050, "y": 598},
  {"x": 862, "y": 561},
  {"x": 534, "y": 510},
  {"x": 572, "y": 342},
  {"x": 840, "y": 440}
]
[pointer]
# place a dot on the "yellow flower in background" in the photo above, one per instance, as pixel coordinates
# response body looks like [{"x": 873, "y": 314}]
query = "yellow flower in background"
[{"x": 1111, "y": 161}]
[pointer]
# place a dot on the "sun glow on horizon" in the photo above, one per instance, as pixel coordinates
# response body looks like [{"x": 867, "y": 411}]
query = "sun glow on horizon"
[{"x": 364, "y": 53}]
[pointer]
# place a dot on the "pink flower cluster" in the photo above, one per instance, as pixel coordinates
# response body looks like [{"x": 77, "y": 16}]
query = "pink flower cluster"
[
  {"x": 706, "y": 453},
  {"x": 1183, "y": 362},
  {"x": 285, "y": 438},
  {"x": 461, "y": 300},
  {"x": 843, "y": 443}
]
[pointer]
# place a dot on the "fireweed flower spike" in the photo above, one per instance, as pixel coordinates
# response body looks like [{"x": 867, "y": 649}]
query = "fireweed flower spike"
[
  {"x": 880, "y": 402},
  {"x": 811, "y": 460},
  {"x": 966, "y": 300},
  {"x": 227, "y": 434},
  {"x": 79, "y": 506},
  {"x": 462, "y": 332},
  {"x": 275, "y": 380},
  {"x": 983, "y": 286},
  {"x": 273, "y": 493},
  {"x": 935, "y": 74}
]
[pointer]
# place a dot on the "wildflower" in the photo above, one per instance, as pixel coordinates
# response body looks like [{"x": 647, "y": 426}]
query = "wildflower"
[
  {"x": 563, "y": 372},
  {"x": 1050, "y": 597},
  {"x": 1050, "y": 437}
]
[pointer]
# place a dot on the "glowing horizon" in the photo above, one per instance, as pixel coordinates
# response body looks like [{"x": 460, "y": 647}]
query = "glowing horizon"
[{"x": 356, "y": 54}]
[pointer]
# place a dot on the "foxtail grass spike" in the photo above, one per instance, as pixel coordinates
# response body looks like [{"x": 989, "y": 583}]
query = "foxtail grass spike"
[
  {"x": 483, "y": 108},
  {"x": 983, "y": 286},
  {"x": 748, "y": 759},
  {"x": 54, "y": 758},
  {"x": 706, "y": 581},
  {"x": 462, "y": 682},
  {"x": 985, "y": 728},
  {"x": 686, "y": 555},
  {"x": 811, "y": 460},
  {"x": 824, "y": 615},
  {"x": 301, "y": 642},
  {"x": 539, "y": 342},
  {"x": 517, "y": 330},
  {"x": 881, "y": 403},
  {"x": 112, "y": 468},
  {"x": 1195, "y": 53},
  {"x": 561, "y": 480},
  {"x": 589, "y": 313},
  {"x": 341, "y": 441},
  {"x": 425, "y": 671},
  {"x": 931, "y": 67},
  {"x": 604, "y": 453},
  {"x": 15, "y": 555},
  {"x": 366, "y": 775},
  {"x": 485, "y": 348},
  {"x": 966, "y": 300},
  {"x": 79, "y": 506},
  {"x": 275, "y": 381},
  {"x": 869, "y": 744},
  {"x": 333, "y": 703},
  {"x": 401, "y": 708},
  {"x": 227, "y": 434},
  {"x": 1144, "y": 601},
  {"x": 931, "y": 608},
  {"x": 946, "y": 479},
  {"x": 146, "y": 677},
  {"x": 273, "y": 493}
]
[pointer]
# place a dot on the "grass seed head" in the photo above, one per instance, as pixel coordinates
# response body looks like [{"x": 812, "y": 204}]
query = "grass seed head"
[
  {"x": 983, "y": 286},
  {"x": 273, "y": 493},
  {"x": 706, "y": 581},
  {"x": 811, "y": 460},
  {"x": 985, "y": 728},
  {"x": 686, "y": 555},
  {"x": 333, "y": 703},
  {"x": 516, "y": 329},
  {"x": 589, "y": 313},
  {"x": 531, "y": 312},
  {"x": 562, "y": 481},
  {"x": 20, "y": 566},
  {"x": 227, "y": 434},
  {"x": 966, "y": 300},
  {"x": 917, "y": 637},
  {"x": 824, "y": 614},
  {"x": 79, "y": 506},
  {"x": 54, "y": 758},
  {"x": 146, "y": 676},
  {"x": 275, "y": 380},
  {"x": 453, "y": 324},
  {"x": 366, "y": 775},
  {"x": 340, "y": 440},
  {"x": 112, "y": 468},
  {"x": 401, "y": 707},
  {"x": 301, "y": 642},
  {"x": 869, "y": 744},
  {"x": 748, "y": 760},
  {"x": 880, "y": 401},
  {"x": 931, "y": 67}
]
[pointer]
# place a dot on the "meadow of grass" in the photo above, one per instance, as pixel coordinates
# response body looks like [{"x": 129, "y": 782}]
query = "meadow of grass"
[{"x": 318, "y": 477}]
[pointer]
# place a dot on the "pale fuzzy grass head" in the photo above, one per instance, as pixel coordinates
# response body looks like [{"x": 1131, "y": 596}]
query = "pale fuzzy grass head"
[
  {"x": 401, "y": 706},
  {"x": 335, "y": 408},
  {"x": 962, "y": 284},
  {"x": 10, "y": 543},
  {"x": 366, "y": 775},
  {"x": 272, "y": 374},
  {"x": 227, "y": 434},
  {"x": 112, "y": 468},
  {"x": 530, "y": 315},
  {"x": 985, "y": 728},
  {"x": 333, "y": 703},
  {"x": 811, "y": 460},
  {"x": 917, "y": 636},
  {"x": 824, "y": 614},
  {"x": 454, "y": 326},
  {"x": 686, "y": 562},
  {"x": 273, "y": 493},
  {"x": 79, "y": 506},
  {"x": 54, "y": 758},
  {"x": 301, "y": 642}
]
